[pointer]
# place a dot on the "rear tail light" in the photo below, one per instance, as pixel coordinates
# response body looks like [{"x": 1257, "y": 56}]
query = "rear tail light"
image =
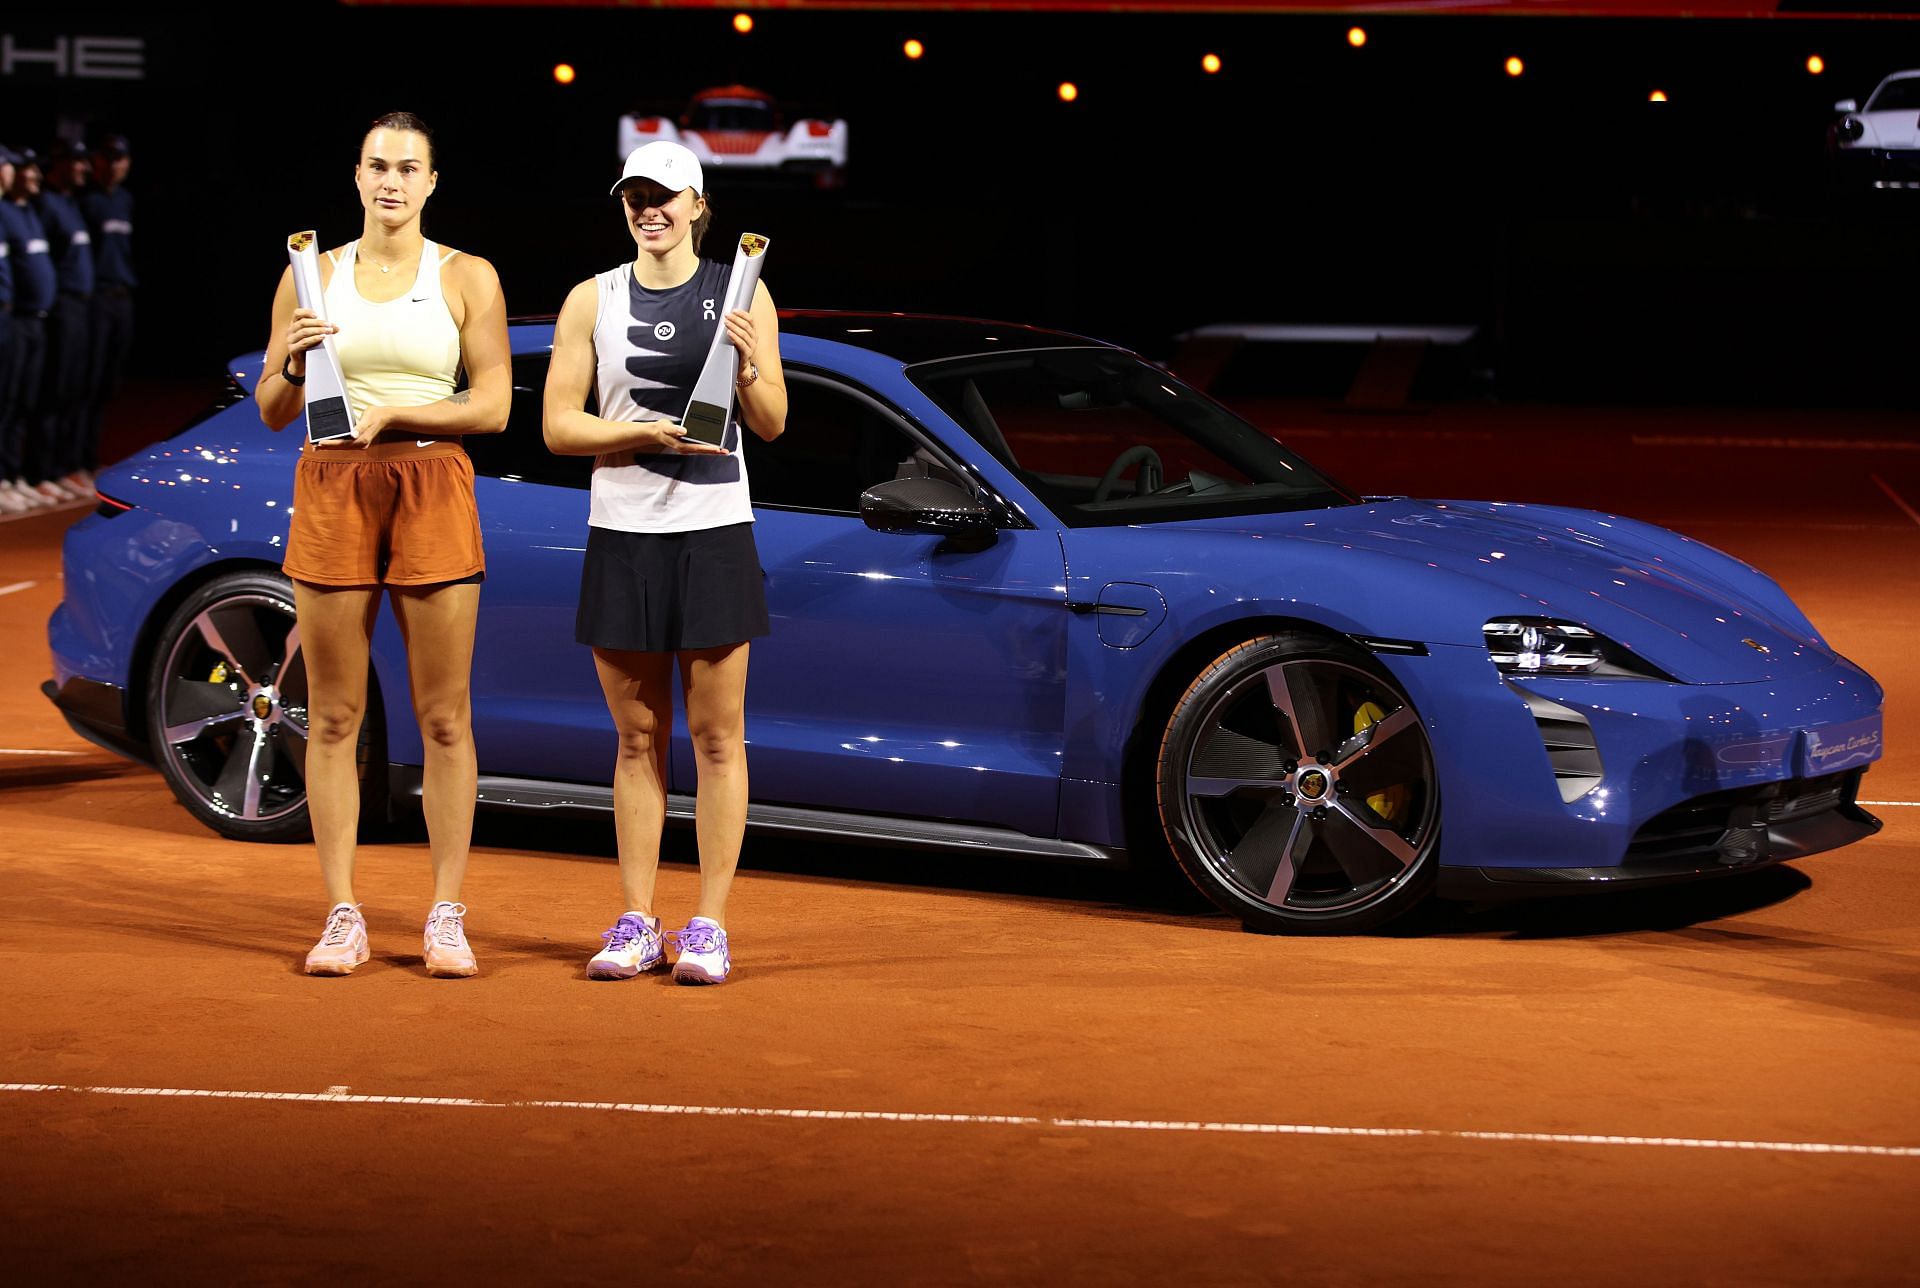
[
  {"x": 819, "y": 129},
  {"x": 111, "y": 507}
]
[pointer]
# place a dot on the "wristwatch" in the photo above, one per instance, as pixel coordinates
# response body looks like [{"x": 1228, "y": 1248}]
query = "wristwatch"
[
  {"x": 753, "y": 374},
  {"x": 286, "y": 372}
]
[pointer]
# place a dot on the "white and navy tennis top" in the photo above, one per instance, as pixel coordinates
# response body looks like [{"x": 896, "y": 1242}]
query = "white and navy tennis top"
[{"x": 649, "y": 347}]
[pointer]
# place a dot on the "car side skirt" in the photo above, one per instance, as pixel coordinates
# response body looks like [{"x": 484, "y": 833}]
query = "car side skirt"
[{"x": 587, "y": 799}]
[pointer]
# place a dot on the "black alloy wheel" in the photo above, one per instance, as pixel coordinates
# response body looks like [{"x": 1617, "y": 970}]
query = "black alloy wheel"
[{"x": 1297, "y": 790}]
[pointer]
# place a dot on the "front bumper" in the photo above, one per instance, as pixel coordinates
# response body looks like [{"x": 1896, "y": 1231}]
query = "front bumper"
[
  {"x": 1711, "y": 836},
  {"x": 1666, "y": 774},
  {"x": 97, "y": 712},
  {"x": 1880, "y": 167}
]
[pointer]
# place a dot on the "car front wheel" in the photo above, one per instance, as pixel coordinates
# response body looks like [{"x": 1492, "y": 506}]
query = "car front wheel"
[
  {"x": 1296, "y": 788},
  {"x": 227, "y": 709}
]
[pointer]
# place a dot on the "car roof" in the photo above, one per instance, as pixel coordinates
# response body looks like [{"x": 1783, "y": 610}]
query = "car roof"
[
  {"x": 732, "y": 91},
  {"x": 923, "y": 337},
  {"x": 907, "y": 338}
]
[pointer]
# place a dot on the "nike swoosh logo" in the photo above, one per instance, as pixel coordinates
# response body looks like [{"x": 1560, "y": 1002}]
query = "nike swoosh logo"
[
  {"x": 423, "y": 442},
  {"x": 420, "y": 299}
]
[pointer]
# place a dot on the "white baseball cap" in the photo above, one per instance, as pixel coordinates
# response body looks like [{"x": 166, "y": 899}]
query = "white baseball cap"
[{"x": 668, "y": 164}]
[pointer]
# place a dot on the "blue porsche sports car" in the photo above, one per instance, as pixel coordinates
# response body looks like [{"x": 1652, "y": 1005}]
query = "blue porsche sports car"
[{"x": 1033, "y": 595}]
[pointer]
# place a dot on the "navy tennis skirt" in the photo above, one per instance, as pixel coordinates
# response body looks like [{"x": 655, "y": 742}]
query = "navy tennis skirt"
[{"x": 660, "y": 592}]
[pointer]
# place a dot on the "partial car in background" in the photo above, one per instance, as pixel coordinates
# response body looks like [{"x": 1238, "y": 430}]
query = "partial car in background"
[
  {"x": 1033, "y": 595},
  {"x": 737, "y": 128},
  {"x": 1878, "y": 145}
]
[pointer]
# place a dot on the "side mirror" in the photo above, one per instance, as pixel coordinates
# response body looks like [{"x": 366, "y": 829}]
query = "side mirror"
[
  {"x": 1846, "y": 105},
  {"x": 927, "y": 505}
]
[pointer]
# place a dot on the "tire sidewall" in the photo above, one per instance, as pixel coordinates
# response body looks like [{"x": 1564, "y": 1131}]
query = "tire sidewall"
[{"x": 1184, "y": 725}]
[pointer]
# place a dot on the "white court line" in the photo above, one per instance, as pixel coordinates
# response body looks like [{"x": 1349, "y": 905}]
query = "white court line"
[
  {"x": 18, "y": 585},
  {"x": 1013, "y": 1120},
  {"x": 1887, "y": 802},
  {"x": 36, "y": 751},
  {"x": 1895, "y": 497}
]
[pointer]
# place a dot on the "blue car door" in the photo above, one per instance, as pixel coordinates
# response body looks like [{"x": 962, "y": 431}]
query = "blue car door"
[
  {"x": 902, "y": 676},
  {"x": 537, "y": 708}
]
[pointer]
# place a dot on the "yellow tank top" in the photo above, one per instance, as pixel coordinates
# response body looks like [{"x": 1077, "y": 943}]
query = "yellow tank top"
[{"x": 404, "y": 352}]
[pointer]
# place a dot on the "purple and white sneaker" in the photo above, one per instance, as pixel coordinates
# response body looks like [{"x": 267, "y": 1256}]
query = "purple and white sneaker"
[
  {"x": 633, "y": 946},
  {"x": 703, "y": 953}
]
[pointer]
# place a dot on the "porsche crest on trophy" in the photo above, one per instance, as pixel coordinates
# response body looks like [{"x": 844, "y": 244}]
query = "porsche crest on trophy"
[{"x": 329, "y": 417}]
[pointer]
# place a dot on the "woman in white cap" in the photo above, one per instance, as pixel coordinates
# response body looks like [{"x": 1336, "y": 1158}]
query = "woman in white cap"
[{"x": 671, "y": 575}]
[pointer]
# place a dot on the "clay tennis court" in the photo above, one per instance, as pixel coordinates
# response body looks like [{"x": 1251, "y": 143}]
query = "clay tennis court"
[{"x": 945, "y": 1071}]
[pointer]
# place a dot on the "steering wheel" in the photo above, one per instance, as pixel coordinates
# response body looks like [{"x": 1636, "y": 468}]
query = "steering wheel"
[{"x": 1151, "y": 472}]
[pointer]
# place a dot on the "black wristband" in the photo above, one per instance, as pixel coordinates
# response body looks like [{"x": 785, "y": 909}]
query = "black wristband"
[{"x": 287, "y": 375}]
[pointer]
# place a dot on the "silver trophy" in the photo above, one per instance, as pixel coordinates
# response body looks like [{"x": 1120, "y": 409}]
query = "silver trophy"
[
  {"x": 711, "y": 406},
  {"x": 329, "y": 417}
]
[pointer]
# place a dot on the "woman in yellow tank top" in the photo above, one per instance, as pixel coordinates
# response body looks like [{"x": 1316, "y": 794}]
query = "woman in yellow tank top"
[{"x": 392, "y": 511}]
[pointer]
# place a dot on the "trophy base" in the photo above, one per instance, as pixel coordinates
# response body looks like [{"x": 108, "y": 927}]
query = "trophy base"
[
  {"x": 705, "y": 423},
  {"x": 327, "y": 419}
]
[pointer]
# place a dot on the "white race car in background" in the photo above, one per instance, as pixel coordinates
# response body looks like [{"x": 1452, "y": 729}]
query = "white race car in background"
[
  {"x": 734, "y": 128},
  {"x": 1880, "y": 143}
]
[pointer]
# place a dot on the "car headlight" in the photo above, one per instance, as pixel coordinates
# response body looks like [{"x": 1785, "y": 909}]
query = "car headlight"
[{"x": 1544, "y": 646}]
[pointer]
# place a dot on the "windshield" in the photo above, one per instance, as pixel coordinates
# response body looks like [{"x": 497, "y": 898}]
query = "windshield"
[
  {"x": 731, "y": 114},
  {"x": 1901, "y": 95},
  {"x": 1104, "y": 438}
]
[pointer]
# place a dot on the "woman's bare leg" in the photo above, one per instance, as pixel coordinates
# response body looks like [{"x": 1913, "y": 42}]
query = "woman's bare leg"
[
  {"x": 639, "y": 692},
  {"x": 716, "y": 683},
  {"x": 437, "y": 624},
  {"x": 336, "y": 628}
]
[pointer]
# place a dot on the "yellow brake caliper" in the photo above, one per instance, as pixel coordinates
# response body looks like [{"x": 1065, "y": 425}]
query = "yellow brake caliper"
[
  {"x": 219, "y": 675},
  {"x": 1389, "y": 802}
]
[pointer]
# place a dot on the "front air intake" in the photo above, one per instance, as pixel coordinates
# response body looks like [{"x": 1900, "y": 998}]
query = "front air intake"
[{"x": 1571, "y": 750}]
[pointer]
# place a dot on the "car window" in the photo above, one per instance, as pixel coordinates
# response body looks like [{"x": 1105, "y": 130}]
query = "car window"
[
  {"x": 520, "y": 452},
  {"x": 838, "y": 443},
  {"x": 731, "y": 115},
  {"x": 1901, "y": 95},
  {"x": 1103, "y": 438}
]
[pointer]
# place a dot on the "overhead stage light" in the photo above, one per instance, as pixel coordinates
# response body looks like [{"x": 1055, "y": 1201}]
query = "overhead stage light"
[
  {"x": 563, "y": 73},
  {"x": 913, "y": 49},
  {"x": 1515, "y": 67},
  {"x": 743, "y": 23},
  {"x": 1211, "y": 63},
  {"x": 1068, "y": 91},
  {"x": 1356, "y": 36}
]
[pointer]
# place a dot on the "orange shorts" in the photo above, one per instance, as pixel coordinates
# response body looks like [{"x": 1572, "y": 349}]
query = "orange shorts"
[{"x": 396, "y": 522}]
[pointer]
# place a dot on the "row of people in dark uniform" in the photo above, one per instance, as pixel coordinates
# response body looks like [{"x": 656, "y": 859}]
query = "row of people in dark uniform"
[{"x": 66, "y": 314}]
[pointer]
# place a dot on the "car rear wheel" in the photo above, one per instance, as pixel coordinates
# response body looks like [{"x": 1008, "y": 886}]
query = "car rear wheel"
[
  {"x": 1296, "y": 788},
  {"x": 227, "y": 710}
]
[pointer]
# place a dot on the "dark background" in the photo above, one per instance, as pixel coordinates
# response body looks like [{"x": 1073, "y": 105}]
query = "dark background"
[{"x": 1609, "y": 249}]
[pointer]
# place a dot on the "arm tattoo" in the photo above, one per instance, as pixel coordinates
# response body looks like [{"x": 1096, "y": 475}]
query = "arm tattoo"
[{"x": 462, "y": 398}]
